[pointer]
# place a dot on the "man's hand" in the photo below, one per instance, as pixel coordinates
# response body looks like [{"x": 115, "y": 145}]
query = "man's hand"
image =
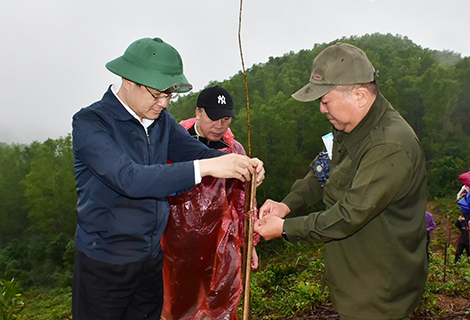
[
  {"x": 258, "y": 164},
  {"x": 254, "y": 259},
  {"x": 269, "y": 228},
  {"x": 273, "y": 208},
  {"x": 232, "y": 166}
]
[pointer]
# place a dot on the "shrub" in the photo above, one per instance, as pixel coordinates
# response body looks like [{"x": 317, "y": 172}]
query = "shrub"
[{"x": 10, "y": 300}]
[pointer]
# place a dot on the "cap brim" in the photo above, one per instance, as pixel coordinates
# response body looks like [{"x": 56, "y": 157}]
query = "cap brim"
[
  {"x": 312, "y": 92},
  {"x": 216, "y": 114}
]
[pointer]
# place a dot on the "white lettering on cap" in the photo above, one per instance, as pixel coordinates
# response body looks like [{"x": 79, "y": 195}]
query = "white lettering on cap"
[{"x": 221, "y": 99}]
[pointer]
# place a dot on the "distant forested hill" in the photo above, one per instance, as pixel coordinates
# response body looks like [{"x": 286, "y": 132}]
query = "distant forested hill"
[{"x": 431, "y": 89}]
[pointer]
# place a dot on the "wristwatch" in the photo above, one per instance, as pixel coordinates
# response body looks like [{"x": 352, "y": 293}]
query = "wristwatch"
[{"x": 284, "y": 235}]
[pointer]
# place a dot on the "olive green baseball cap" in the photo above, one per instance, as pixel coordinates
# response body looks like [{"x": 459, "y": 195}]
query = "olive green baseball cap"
[
  {"x": 338, "y": 64},
  {"x": 152, "y": 63}
]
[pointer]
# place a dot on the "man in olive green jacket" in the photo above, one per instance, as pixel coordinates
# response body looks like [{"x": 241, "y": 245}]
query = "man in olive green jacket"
[{"x": 372, "y": 180}]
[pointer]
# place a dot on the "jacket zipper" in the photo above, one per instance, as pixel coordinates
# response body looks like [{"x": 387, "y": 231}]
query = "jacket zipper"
[
  {"x": 148, "y": 145},
  {"x": 156, "y": 212}
]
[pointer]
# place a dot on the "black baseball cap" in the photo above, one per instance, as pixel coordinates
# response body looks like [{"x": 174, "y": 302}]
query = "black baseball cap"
[{"x": 217, "y": 103}]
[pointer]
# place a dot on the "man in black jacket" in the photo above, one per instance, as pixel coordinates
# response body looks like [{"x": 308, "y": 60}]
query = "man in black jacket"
[{"x": 122, "y": 145}]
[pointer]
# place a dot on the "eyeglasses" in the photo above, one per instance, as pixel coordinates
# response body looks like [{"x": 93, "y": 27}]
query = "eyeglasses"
[{"x": 161, "y": 95}]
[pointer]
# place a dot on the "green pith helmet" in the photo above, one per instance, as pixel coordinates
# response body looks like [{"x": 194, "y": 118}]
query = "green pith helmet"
[{"x": 152, "y": 63}]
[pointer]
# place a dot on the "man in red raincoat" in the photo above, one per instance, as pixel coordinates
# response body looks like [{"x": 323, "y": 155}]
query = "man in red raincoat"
[{"x": 202, "y": 241}]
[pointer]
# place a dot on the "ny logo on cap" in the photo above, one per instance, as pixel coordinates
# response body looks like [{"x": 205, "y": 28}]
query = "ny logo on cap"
[{"x": 221, "y": 99}]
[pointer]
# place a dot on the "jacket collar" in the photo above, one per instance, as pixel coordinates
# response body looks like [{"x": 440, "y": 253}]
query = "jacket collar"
[
  {"x": 363, "y": 129},
  {"x": 221, "y": 144},
  {"x": 115, "y": 107},
  {"x": 227, "y": 139},
  {"x": 118, "y": 111}
]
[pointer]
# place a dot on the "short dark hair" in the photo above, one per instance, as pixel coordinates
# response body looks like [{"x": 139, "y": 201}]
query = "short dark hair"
[{"x": 371, "y": 86}]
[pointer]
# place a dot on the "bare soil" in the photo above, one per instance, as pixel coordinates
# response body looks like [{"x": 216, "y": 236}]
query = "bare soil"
[{"x": 456, "y": 309}]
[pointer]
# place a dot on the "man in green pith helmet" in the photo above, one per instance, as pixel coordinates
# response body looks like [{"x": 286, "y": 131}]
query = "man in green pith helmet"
[
  {"x": 123, "y": 145},
  {"x": 372, "y": 180}
]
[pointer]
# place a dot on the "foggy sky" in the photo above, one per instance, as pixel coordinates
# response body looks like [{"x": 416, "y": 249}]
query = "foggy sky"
[{"x": 53, "y": 52}]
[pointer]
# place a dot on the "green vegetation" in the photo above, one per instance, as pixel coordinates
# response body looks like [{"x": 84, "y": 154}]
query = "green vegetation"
[
  {"x": 289, "y": 283},
  {"x": 11, "y": 302},
  {"x": 289, "y": 280},
  {"x": 48, "y": 304},
  {"x": 429, "y": 88}
]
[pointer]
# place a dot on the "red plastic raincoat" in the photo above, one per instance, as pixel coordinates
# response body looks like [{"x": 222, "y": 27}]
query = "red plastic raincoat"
[{"x": 202, "y": 241}]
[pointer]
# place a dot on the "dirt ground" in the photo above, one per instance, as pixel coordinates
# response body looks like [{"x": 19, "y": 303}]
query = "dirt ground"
[{"x": 456, "y": 308}]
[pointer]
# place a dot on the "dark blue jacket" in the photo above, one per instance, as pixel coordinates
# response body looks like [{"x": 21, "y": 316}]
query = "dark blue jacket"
[{"x": 123, "y": 178}]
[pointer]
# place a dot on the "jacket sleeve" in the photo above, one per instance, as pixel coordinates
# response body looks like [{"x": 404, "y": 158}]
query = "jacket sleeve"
[
  {"x": 304, "y": 194},
  {"x": 99, "y": 155},
  {"x": 432, "y": 225},
  {"x": 382, "y": 172}
]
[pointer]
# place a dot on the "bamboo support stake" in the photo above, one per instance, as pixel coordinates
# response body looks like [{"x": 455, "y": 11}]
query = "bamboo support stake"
[
  {"x": 244, "y": 77},
  {"x": 250, "y": 196},
  {"x": 445, "y": 251}
]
